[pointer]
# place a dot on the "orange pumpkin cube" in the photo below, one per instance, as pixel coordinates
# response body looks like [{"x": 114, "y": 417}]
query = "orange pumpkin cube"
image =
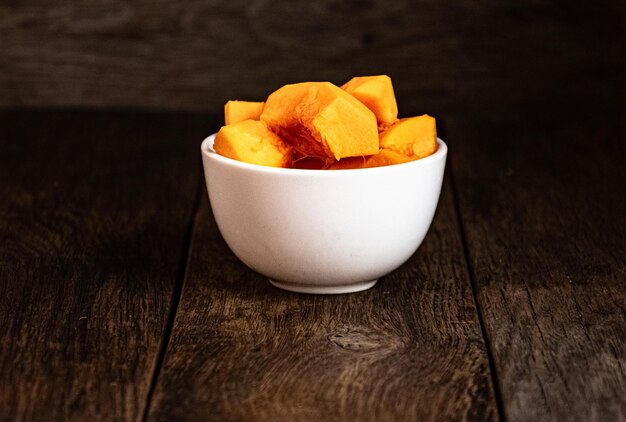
[
  {"x": 383, "y": 158},
  {"x": 238, "y": 111},
  {"x": 414, "y": 137},
  {"x": 252, "y": 142},
  {"x": 319, "y": 119},
  {"x": 376, "y": 92}
]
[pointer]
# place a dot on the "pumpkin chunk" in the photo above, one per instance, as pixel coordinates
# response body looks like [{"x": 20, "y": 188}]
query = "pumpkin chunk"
[
  {"x": 252, "y": 142},
  {"x": 376, "y": 92},
  {"x": 383, "y": 158},
  {"x": 319, "y": 119},
  {"x": 238, "y": 111},
  {"x": 414, "y": 137}
]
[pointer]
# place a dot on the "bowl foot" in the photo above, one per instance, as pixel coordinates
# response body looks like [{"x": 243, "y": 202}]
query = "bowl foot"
[{"x": 324, "y": 290}]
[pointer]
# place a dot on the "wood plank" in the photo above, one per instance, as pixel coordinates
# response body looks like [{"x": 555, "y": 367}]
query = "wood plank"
[
  {"x": 410, "y": 348},
  {"x": 198, "y": 54},
  {"x": 543, "y": 207},
  {"x": 93, "y": 216}
]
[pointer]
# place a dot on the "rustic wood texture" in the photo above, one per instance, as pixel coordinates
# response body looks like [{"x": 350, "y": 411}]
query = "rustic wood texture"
[
  {"x": 197, "y": 54},
  {"x": 93, "y": 220},
  {"x": 543, "y": 208},
  {"x": 410, "y": 348}
]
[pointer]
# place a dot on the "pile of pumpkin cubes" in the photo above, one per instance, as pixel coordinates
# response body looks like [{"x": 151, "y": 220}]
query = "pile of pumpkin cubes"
[{"x": 318, "y": 125}]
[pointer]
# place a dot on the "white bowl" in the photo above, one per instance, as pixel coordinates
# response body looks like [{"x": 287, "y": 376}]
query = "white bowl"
[{"x": 323, "y": 231}]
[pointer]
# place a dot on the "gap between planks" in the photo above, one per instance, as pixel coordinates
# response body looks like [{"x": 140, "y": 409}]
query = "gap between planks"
[
  {"x": 178, "y": 288},
  {"x": 469, "y": 268}
]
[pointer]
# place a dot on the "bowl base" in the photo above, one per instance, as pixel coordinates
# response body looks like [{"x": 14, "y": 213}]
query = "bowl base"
[{"x": 324, "y": 290}]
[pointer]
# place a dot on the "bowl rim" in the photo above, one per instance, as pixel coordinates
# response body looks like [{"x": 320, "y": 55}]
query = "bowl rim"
[{"x": 206, "y": 147}]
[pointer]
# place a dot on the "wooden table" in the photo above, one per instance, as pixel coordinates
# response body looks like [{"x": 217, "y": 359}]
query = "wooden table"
[{"x": 119, "y": 300}]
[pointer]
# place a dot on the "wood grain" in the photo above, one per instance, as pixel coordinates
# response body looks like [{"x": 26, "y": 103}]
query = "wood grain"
[
  {"x": 197, "y": 54},
  {"x": 93, "y": 216},
  {"x": 543, "y": 205},
  {"x": 411, "y": 348}
]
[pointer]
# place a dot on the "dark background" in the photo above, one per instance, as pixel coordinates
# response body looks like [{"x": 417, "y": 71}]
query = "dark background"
[{"x": 194, "y": 55}]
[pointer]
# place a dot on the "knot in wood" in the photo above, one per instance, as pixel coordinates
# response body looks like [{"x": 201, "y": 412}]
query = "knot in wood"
[{"x": 364, "y": 340}]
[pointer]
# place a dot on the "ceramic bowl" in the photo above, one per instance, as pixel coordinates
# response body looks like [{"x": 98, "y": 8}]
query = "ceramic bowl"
[{"x": 323, "y": 231}]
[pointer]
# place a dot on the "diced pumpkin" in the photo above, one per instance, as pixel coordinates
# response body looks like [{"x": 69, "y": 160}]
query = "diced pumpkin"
[
  {"x": 383, "y": 158},
  {"x": 376, "y": 92},
  {"x": 238, "y": 111},
  {"x": 414, "y": 136},
  {"x": 252, "y": 142},
  {"x": 319, "y": 119}
]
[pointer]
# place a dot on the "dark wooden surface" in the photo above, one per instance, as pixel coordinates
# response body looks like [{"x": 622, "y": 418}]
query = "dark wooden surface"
[
  {"x": 244, "y": 350},
  {"x": 120, "y": 301},
  {"x": 94, "y": 214},
  {"x": 544, "y": 217}
]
